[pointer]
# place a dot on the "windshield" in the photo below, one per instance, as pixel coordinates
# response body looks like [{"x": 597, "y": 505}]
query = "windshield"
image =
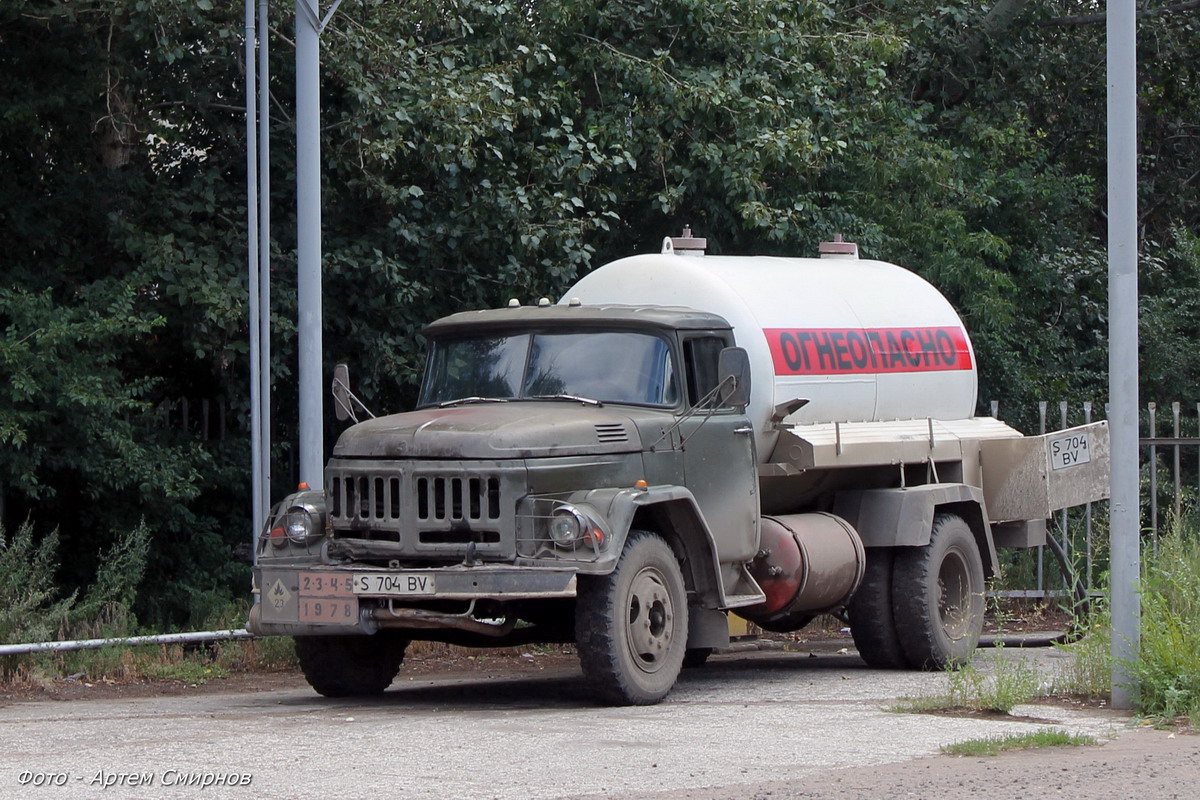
[{"x": 608, "y": 366}]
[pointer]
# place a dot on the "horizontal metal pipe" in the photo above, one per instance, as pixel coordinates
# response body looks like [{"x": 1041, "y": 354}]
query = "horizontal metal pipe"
[
  {"x": 95, "y": 644},
  {"x": 420, "y": 618}
]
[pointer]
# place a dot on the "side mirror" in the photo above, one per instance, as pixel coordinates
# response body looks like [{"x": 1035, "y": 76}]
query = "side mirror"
[
  {"x": 734, "y": 368},
  {"x": 341, "y": 393}
]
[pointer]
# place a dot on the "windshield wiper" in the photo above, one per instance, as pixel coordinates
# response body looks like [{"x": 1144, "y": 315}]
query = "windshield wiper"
[
  {"x": 462, "y": 401},
  {"x": 587, "y": 401}
]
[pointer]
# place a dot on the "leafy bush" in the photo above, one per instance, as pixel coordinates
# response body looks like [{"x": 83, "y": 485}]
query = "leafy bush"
[
  {"x": 28, "y": 608},
  {"x": 1167, "y": 669},
  {"x": 32, "y": 611}
]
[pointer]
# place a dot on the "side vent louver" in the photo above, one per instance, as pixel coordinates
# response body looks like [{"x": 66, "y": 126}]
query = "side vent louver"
[{"x": 609, "y": 432}]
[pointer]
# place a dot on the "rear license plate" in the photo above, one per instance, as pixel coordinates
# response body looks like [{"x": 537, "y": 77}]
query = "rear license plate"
[
  {"x": 393, "y": 584},
  {"x": 1070, "y": 451}
]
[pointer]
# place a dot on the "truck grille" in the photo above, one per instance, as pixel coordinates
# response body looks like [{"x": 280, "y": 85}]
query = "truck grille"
[
  {"x": 445, "y": 498},
  {"x": 365, "y": 497},
  {"x": 427, "y": 512}
]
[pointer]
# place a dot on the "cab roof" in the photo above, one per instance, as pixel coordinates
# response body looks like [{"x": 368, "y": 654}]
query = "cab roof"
[{"x": 575, "y": 316}]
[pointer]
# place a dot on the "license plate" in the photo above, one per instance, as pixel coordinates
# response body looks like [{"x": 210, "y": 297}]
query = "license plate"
[
  {"x": 1070, "y": 451},
  {"x": 392, "y": 584},
  {"x": 326, "y": 584},
  {"x": 329, "y": 611}
]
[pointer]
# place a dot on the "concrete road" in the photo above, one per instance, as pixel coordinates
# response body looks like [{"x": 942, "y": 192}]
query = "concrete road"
[{"x": 743, "y": 720}]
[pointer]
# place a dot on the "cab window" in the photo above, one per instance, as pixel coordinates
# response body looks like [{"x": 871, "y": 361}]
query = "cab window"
[{"x": 701, "y": 354}]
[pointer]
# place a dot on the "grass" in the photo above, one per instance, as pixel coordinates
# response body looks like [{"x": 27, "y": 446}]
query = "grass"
[
  {"x": 1088, "y": 673},
  {"x": 1011, "y": 682},
  {"x": 995, "y": 745},
  {"x": 1167, "y": 669}
]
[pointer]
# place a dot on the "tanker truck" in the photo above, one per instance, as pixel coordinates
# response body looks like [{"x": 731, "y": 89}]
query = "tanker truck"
[{"x": 682, "y": 437}]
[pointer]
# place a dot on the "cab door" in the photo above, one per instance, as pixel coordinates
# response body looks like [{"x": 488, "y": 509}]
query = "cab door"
[{"x": 719, "y": 461}]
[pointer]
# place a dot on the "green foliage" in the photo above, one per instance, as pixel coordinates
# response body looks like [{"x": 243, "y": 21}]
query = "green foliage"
[
  {"x": 477, "y": 150},
  {"x": 1167, "y": 669},
  {"x": 1088, "y": 673},
  {"x": 995, "y": 745},
  {"x": 177, "y": 667},
  {"x": 32, "y": 608},
  {"x": 29, "y": 607},
  {"x": 1008, "y": 683}
]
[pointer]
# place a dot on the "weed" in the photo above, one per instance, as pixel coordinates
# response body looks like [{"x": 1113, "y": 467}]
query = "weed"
[
  {"x": 176, "y": 664},
  {"x": 994, "y": 745},
  {"x": 1088, "y": 673},
  {"x": 1167, "y": 668},
  {"x": 1011, "y": 683}
]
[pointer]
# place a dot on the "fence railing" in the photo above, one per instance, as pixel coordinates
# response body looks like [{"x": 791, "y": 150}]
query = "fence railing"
[
  {"x": 1163, "y": 442},
  {"x": 207, "y": 418}
]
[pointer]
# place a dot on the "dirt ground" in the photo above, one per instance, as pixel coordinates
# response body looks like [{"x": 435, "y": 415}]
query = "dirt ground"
[
  {"x": 480, "y": 665},
  {"x": 1140, "y": 762}
]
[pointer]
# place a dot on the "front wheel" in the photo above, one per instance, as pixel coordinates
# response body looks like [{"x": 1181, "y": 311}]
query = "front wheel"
[
  {"x": 350, "y": 666},
  {"x": 631, "y": 626},
  {"x": 937, "y": 596}
]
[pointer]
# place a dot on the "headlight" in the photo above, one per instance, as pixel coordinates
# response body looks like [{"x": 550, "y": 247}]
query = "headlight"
[
  {"x": 300, "y": 525},
  {"x": 567, "y": 526}
]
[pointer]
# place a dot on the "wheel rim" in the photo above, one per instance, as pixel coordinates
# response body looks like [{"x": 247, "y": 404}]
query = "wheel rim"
[
  {"x": 955, "y": 595},
  {"x": 651, "y": 620}
]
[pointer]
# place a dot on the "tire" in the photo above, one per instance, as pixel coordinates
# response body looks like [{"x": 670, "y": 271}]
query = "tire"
[
  {"x": 938, "y": 596},
  {"x": 350, "y": 666},
  {"x": 695, "y": 657},
  {"x": 631, "y": 626},
  {"x": 872, "y": 622}
]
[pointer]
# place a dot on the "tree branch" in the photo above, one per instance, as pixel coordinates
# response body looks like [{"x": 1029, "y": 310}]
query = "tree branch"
[{"x": 1094, "y": 19}]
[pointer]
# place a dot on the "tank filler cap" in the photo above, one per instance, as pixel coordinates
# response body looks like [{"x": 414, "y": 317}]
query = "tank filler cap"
[
  {"x": 685, "y": 245},
  {"x": 514, "y": 303},
  {"x": 543, "y": 302},
  {"x": 838, "y": 248},
  {"x": 574, "y": 302}
]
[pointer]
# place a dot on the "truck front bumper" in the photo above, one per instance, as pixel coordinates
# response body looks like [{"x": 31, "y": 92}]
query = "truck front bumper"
[{"x": 332, "y": 600}]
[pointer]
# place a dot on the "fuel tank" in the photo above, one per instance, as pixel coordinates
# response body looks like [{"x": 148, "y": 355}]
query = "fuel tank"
[{"x": 806, "y": 564}]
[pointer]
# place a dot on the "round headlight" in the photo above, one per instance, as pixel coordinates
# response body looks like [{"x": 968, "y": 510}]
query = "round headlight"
[
  {"x": 567, "y": 526},
  {"x": 300, "y": 525}
]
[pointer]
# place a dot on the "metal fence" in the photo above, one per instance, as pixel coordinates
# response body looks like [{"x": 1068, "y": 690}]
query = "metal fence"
[
  {"x": 1170, "y": 482},
  {"x": 206, "y": 418}
]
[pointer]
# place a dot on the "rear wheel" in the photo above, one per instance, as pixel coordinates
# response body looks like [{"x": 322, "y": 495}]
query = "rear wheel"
[
  {"x": 348, "y": 666},
  {"x": 872, "y": 623},
  {"x": 631, "y": 626},
  {"x": 937, "y": 596}
]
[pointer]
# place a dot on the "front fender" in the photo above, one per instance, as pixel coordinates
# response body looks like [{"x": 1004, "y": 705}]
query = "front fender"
[{"x": 672, "y": 512}]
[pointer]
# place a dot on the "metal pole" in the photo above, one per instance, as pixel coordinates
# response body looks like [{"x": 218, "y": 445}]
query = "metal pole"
[
  {"x": 264, "y": 260},
  {"x": 257, "y": 512},
  {"x": 1153, "y": 409},
  {"x": 1066, "y": 539},
  {"x": 130, "y": 641},
  {"x": 308, "y": 238},
  {"x": 1087, "y": 514},
  {"x": 1177, "y": 507},
  {"x": 1123, "y": 344},
  {"x": 1041, "y": 551}
]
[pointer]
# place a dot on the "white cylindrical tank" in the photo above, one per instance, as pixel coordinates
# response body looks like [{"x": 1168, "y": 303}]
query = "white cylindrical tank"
[{"x": 861, "y": 340}]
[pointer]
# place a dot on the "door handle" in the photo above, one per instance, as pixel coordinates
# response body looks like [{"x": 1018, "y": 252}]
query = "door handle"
[{"x": 745, "y": 429}]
